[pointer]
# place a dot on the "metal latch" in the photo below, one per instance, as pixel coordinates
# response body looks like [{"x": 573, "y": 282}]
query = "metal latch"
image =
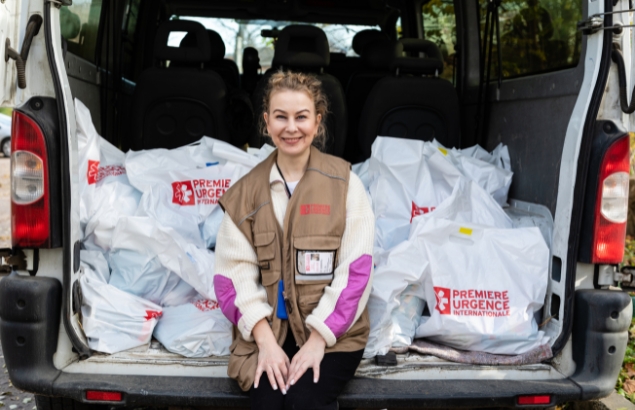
[
  {"x": 625, "y": 275},
  {"x": 12, "y": 260},
  {"x": 595, "y": 23}
]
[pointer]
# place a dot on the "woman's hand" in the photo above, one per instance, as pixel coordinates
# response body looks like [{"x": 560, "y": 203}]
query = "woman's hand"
[
  {"x": 271, "y": 358},
  {"x": 309, "y": 357}
]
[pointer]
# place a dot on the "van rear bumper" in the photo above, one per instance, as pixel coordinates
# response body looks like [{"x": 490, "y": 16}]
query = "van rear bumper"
[
  {"x": 364, "y": 393},
  {"x": 29, "y": 313}
]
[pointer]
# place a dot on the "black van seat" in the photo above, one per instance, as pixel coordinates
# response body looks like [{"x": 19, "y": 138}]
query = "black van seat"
[
  {"x": 376, "y": 57},
  {"x": 251, "y": 69},
  {"x": 343, "y": 67},
  {"x": 412, "y": 103},
  {"x": 175, "y": 106},
  {"x": 305, "y": 48},
  {"x": 227, "y": 69}
]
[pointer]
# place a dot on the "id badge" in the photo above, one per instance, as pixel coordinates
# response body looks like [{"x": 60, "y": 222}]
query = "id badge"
[{"x": 315, "y": 265}]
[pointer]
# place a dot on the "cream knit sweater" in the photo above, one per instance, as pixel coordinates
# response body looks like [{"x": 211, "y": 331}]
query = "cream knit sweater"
[{"x": 237, "y": 260}]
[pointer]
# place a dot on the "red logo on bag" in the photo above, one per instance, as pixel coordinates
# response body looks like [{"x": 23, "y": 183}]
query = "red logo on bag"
[
  {"x": 96, "y": 173},
  {"x": 205, "y": 305},
  {"x": 472, "y": 302},
  {"x": 93, "y": 171},
  {"x": 419, "y": 210},
  {"x": 444, "y": 300},
  {"x": 199, "y": 191},
  {"x": 153, "y": 314},
  {"x": 316, "y": 209},
  {"x": 183, "y": 193}
]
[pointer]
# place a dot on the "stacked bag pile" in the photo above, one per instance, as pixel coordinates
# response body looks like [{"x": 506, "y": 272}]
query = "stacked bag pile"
[
  {"x": 443, "y": 245},
  {"x": 148, "y": 221},
  {"x": 444, "y": 241}
]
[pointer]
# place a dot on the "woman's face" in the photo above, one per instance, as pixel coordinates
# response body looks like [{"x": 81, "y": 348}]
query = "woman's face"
[{"x": 292, "y": 122}]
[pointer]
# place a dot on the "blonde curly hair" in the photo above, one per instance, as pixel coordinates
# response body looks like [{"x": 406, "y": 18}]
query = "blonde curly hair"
[{"x": 293, "y": 81}]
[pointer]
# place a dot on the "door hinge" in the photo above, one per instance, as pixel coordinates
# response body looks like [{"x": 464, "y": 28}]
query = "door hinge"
[{"x": 595, "y": 23}]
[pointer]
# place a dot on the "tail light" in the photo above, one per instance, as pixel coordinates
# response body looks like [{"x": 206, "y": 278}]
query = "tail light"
[
  {"x": 534, "y": 400},
  {"x": 98, "y": 395},
  {"x": 30, "y": 213},
  {"x": 611, "y": 206}
]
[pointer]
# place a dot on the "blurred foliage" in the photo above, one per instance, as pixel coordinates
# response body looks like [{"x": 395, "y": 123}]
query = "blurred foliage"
[
  {"x": 439, "y": 26},
  {"x": 535, "y": 35},
  {"x": 629, "y": 251},
  {"x": 626, "y": 380},
  {"x": 6, "y": 111}
]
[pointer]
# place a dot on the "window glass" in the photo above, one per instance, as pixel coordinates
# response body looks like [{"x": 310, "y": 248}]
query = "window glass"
[
  {"x": 79, "y": 24},
  {"x": 439, "y": 26},
  {"x": 537, "y": 36},
  {"x": 239, "y": 34},
  {"x": 128, "y": 36}
]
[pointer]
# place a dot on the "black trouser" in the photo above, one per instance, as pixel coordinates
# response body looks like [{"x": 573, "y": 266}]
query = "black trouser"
[{"x": 336, "y": 370}]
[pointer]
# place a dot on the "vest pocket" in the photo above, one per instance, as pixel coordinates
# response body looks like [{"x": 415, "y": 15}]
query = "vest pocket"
[
  {"x": 266, "y": 249},
  {"x": 315, "y": 259}
]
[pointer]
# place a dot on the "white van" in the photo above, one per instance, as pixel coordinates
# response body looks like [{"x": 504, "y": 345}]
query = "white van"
[{"x": 551, "y": 79}]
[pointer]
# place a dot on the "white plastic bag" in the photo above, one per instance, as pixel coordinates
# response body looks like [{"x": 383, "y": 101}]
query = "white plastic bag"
[
  {"x": 95, "y": 261},
  {"x": 406, "y": 317},
  {"x": 112, "y": 319},
  {"x": 195, "y": 329},
  {"x": 406, "y": 181},
  {"x": 142, "y": 274},
  {"x": 396, "y": 269},
  {"x": 483, "y": 286},
  {"x": 181, "y": 187},
  {"x": 499, "y": 157},
  {"x": 489, "y": 175},
  {"x": 468, "y": 203},
  {"x": 397, "y": 295},
  {"x": 147, "y": 236},
  {"x": 105, "y": 192}
]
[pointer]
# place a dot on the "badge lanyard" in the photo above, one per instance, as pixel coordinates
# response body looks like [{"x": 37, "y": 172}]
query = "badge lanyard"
[
  {"x": 286, "y": 187},
  {"x": 282, "y": 309}
]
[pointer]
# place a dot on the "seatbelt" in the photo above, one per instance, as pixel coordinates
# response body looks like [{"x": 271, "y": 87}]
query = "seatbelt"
[{"x": 492, "y": 22}]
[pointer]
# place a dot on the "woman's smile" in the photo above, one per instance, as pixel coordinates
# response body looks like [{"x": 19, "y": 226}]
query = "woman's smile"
[{"x": 292, "y": 122}]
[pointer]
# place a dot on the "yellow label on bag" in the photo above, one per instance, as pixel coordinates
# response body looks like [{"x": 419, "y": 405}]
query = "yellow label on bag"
[
  {"x": 465, "y": 231},
  {"x": 443, "y": 150}
]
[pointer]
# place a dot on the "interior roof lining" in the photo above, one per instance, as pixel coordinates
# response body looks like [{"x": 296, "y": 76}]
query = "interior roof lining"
[{"x": 367, "y": 17}]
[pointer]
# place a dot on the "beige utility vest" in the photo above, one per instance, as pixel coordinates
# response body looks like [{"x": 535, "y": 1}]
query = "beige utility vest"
[{"x": 314, "y": 221}]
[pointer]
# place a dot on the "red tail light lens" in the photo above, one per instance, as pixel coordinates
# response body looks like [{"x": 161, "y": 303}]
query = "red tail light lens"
[
  {"x": 611, "y": 205},
  {"x": 30, "y": 214},
  {"x": 533, "y": 400},
  {"x": 97, "y": 395}
]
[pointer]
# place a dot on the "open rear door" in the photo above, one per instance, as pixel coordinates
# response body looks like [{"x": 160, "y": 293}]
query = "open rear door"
[{"x": 9, "y": 34}]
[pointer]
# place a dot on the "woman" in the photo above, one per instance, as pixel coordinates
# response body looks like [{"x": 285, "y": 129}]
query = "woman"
[{"x": 293, "y": 259}]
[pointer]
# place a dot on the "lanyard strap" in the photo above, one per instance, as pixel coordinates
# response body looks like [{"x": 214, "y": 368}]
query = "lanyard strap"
[{"x": 286, "y": 187}]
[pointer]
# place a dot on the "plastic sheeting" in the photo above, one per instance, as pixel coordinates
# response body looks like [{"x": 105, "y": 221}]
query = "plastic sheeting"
[
  {"x": 113, "y": 320},
  {"x": 483, "y": 286},
  {"x": 195, "y": 329}
]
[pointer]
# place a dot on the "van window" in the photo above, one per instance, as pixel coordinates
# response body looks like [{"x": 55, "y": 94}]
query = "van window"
[
  {"x": 128, "y": 28},
  {"x": 239, "y": 34},
  {"x": 79, "y": 25},
  {"x": 537, "y": 36},
  {"x": 439, "y": 26}
]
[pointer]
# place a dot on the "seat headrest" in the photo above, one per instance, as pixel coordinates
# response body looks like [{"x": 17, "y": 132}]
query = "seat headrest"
[
  {"x": 301, "y": 46},
  {"x": 197, "y": 53},
  {"x": 378, "y": 55},
  {"x": 216, "y": 44},
  {"x": 364, "y": 37},
  {"x": 427, "y": 47},
  {"x": 431, "y": 64},
  {"x": 251, "y": 60}
]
